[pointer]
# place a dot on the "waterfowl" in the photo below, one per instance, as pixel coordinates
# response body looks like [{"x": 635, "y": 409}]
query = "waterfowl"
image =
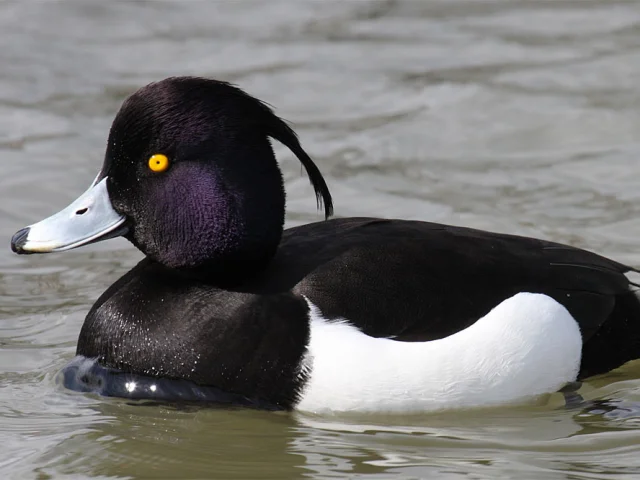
[{"x": 346, "y": 314}]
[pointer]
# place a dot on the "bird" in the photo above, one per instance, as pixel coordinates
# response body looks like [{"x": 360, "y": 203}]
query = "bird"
[{"x": 340, "y": 315}]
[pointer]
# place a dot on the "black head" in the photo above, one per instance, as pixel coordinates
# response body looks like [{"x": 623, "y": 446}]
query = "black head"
[
  {"x": 220, "y": 202},
  {"x": 213, "y": 203}
]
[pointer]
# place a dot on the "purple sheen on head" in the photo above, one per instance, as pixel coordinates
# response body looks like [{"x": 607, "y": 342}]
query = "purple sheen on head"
[
  {"x": 195, "y": 218},
  {"x": 192, "y": 218}
]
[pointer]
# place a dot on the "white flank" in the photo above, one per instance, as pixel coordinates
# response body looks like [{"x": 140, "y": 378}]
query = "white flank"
[{"x": 526, "y": 346}]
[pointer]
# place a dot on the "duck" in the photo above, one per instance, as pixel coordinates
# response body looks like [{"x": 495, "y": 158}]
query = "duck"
[{"x": 340, "y": 315}]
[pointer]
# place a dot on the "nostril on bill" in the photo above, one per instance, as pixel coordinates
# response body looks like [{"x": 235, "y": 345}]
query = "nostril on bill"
[{"x": 82, "y": 211}]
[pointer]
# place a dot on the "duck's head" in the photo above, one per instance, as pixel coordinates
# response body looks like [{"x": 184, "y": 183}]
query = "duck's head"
[{"x": 189, "y": 177}]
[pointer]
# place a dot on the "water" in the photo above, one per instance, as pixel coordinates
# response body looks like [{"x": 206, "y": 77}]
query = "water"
[{"x": 515, "y": 116}]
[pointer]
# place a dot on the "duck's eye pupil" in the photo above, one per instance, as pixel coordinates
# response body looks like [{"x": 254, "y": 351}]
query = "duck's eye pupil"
[{"x": 158, "y": 162}]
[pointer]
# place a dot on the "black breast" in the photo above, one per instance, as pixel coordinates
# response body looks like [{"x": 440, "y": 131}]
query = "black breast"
[{"x": 156, "y": 323}]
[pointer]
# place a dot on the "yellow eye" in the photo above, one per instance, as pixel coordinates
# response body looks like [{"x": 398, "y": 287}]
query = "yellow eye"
[{"x": 158, "y": 162}]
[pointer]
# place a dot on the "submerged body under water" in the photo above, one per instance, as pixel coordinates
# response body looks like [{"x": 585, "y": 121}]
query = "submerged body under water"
[{"x": 88, "y": 376}]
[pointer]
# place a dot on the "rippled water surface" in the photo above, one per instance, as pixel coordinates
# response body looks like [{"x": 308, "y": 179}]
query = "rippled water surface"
[{"x": 515, "y": 116}]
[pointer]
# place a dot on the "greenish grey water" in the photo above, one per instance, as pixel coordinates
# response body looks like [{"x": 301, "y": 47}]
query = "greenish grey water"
[{"x": 516, "y": 116}]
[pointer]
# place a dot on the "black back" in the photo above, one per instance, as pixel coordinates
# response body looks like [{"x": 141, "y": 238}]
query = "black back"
[{"x": 420, "y": 281}]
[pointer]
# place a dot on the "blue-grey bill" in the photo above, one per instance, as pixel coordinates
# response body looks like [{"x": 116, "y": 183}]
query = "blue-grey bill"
[{"x": 88, "y": 219}]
